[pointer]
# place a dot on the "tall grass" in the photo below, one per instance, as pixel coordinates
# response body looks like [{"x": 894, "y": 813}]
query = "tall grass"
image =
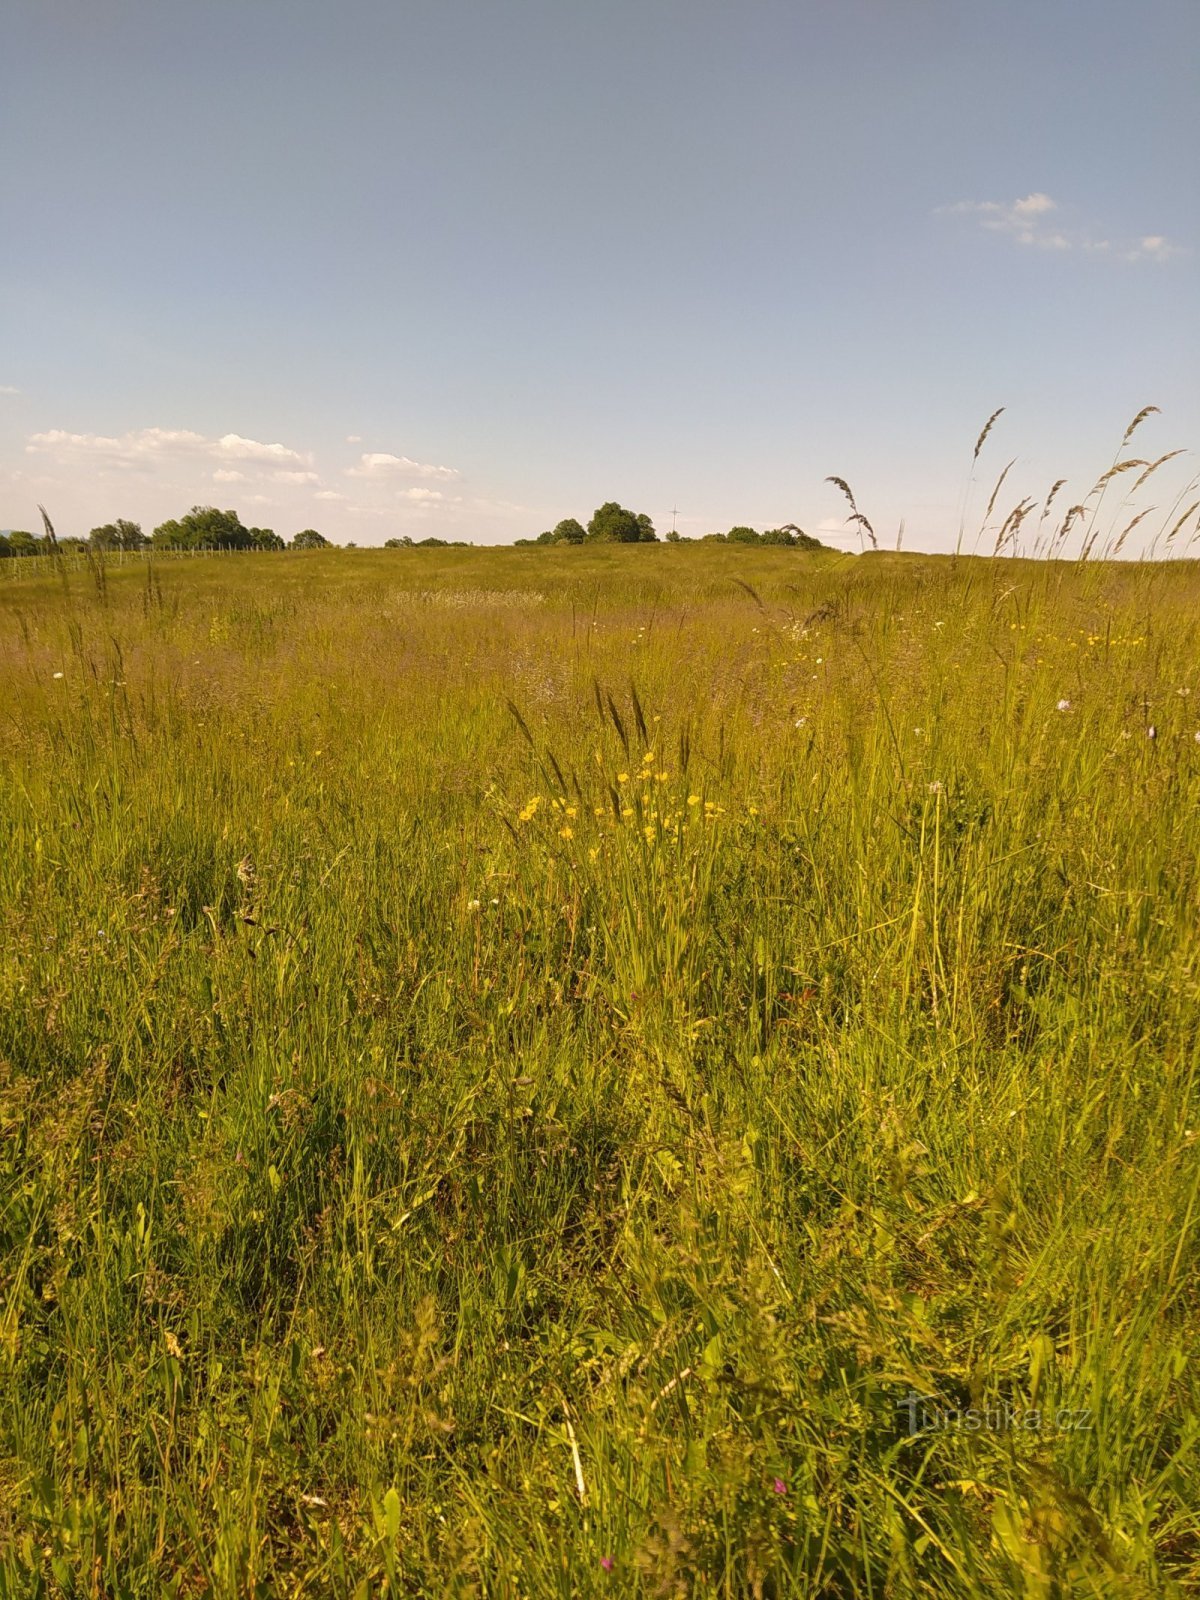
[{"x": 516, "y": 1075}]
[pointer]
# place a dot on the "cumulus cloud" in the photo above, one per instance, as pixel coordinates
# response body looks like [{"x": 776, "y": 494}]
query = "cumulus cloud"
[
  {"x": 145, "y": 446},
  {"x": 1034, "y": 222},
  {"x": 1153, "y": 247},
  {"x": 420, "y": 497},
  {"x": 379, "y": 464},
  {"x": 328, "y": 494}
]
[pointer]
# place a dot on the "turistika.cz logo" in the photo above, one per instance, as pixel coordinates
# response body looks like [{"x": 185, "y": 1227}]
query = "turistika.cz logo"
[{"x": 924, "y": 1414}]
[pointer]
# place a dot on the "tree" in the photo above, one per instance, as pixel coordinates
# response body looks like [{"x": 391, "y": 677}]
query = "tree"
[
  {"x": 791, "y": 535},
  {"x": 265, "y": 539},
  {"x": 204, "y": 528},
  {"x": 21, "y": 543},
  {"x": 612, "y": 524},
  {"x": 569, "y": 531},
  {"x": 403, "y": 543},
  {"x": 742, "y": 535},
  {"x": 310, "y": 539},
  {"x": 119, "y": 535},
  {"x": 646, "y": 533}
]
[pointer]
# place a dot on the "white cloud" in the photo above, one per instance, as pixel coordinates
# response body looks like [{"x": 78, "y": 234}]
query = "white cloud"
[
  {"x": 296, "y": 477},
  {"x": 144, "y": 446},
  {"x": 328, "y": 494},
  {"x": 380, "y": 464},
  {"x": 235, "y": 448},
  {"x": 420, "y": 497},
  {"x": 354, "y": 438},
  {"x": 1153, "y": 247},
  {"x": 228, "y": 475},
  {"x": 9, "y": 389},
  {"x": 1032, "y": 222}
]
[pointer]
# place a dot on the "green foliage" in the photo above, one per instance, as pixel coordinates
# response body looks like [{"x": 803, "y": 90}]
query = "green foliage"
[
  {"x": 119, "y": 535},
  {"x": 445, "y": 1150},
  {"x": 569, "y": 531},
  {"x": 203, "y": 528},
  {"x": 611, "y": 523},
  {"x": 266, "y": 539},
  {"x": 20, "y": 543},
  {"x": 743, "y": 536},
  {"x": 310, "y": 539}
]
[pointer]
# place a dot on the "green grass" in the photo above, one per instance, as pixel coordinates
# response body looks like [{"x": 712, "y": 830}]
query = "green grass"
[{"x": 452, "y": 1149}]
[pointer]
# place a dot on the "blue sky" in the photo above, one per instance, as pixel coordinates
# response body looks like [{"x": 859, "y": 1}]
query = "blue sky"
[{"x": 466, "y": 268}]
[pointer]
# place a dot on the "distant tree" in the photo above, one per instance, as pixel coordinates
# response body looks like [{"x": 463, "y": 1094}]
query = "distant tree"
[
  {"x": 613, "y": 524},
  {"x": 791, "y": 535},
  {"x": 431, "y": 544},
  {"x": 742, "y": 535},
  {"x": 569, "y": 531},
  {"x": 646, "y": 533},
  {"x": 403, "y": 543},
  {"x": 545, "y": 538},
  {"x": 265, "y": 539},
  {"x": 119, "y": 535},
  {"x": 204, "y": 528},
  {"x": 674, "y": 537},
  {"x": 21, "y": 543},
  {"x": 712, "y": 538},
  {"x": 310, "y": 539}
]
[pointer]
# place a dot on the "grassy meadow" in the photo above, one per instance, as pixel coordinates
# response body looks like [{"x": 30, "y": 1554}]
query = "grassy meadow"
[{"x": 661, "y": 1071}]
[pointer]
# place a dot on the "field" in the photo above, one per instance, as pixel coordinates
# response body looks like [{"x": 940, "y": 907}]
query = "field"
[{"x": 589, "y": 1072}]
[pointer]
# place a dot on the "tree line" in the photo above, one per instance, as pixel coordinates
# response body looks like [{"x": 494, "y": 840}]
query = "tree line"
[
  {"x": 612, "y": 523},
  {"x": 207, "y": 528},
  {"x": 203, "y": 528}
]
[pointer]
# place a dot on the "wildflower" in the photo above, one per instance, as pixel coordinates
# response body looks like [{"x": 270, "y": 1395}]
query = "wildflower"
[
  {"x": 58, "y": 674},
  {"x": 1196, "y": 736},
  {"x": 936, "y": 787},
  {"x": 622, "y": 777},
  {"x": 528, "y": 813},
  {"x": 474, "y": 905},
  {"x": 572, "y": 811},
  {"x": 694, "y": 799},
  {"x": 800, "y": 721},
  {"x": 607, "y": 1563},
  {"x": 779, "y": 1486},
  {"x": 1152, "y": 732},
  {"x": 1064, "y": 705},
  {"x": 660, "y": 777},
  {"x": 626, "y": 811},
  {"x": 648, "y": 758},
  {"x": 566, "y": 833}
]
